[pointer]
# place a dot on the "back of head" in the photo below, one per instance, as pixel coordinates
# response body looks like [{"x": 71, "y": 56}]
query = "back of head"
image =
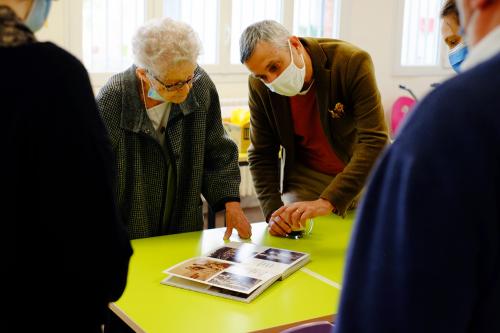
[
  {"x": 266, "y": 31},
  {"x": 450, "y": 8},
  {"x": 161, "y": 44}
]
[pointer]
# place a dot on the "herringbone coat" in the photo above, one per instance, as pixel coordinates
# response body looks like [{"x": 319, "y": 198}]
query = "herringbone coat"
[{"x": 205, "y": 159}]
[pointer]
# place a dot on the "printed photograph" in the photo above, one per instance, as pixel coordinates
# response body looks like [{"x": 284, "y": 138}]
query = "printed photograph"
[
  {"x": 235, "y": 281},
  {"x": 234, "y": 254},
  {"x": 199, "y": 268},
  {"x": 281, "y": 256}
]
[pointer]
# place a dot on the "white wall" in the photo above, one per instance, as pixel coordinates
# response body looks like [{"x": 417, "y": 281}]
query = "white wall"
[
  {"x": 54, "y": 29},
  {"x": 371, "y": 25}
]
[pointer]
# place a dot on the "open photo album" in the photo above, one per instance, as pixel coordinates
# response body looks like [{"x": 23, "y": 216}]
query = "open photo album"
[{"x": 239, "y": 271}]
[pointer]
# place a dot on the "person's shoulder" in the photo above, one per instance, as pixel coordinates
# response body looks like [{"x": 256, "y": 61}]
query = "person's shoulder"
[
  {"x": 467, "y": 91},
  {"x": 459, "y": 113},
  {"x": 203, "y": 87},
  {"x": 59, "y": 59},
  {"x": 256, "y": 86},
  {"x": 118, "y": 83},
  {"x": 203, "y": 79},
  {"x": 485, "y": 75},
  {"x": 336, "y": 46},
  {"x": 338, "y": 53}
]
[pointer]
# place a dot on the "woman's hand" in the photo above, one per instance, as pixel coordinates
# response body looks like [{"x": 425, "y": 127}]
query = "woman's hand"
[{"x": 235, "y": 218}]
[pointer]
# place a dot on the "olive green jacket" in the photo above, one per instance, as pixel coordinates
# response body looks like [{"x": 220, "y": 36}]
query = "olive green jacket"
[{"x": 351, "y": 115}]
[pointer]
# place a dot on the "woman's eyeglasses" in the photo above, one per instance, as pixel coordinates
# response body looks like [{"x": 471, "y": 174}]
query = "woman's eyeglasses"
[{"x": 178, "y": 85}]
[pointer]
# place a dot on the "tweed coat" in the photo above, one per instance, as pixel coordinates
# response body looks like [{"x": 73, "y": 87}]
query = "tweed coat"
[
  {"x": 351, "y": 115},
  {"x": 204, "y": 159}
]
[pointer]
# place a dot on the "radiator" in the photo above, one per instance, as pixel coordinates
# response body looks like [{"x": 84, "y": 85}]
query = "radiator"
[{"x": 246, "y": 186}]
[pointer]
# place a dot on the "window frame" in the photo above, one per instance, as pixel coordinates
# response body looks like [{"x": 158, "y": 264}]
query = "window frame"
[
  {"x": 223, "y": 72},
  {"x": 441, "y": 69}
]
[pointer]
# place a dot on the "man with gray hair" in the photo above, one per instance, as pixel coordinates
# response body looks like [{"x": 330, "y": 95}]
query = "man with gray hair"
[
  {"x": 164, "y": 120},
  {"x": 316, "y": 109}
]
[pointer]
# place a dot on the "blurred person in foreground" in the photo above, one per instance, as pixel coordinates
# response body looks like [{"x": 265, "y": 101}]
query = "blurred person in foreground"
[
  {"x": 425, "y": 253},
  {"x": 65, "y": 251}
]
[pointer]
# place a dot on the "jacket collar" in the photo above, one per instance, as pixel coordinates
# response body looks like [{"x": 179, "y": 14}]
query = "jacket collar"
[{"x": 321, "y": 71}]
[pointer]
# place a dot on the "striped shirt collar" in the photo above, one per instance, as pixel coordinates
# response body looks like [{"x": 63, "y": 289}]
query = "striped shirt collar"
[{"x": 486, "y": 49}]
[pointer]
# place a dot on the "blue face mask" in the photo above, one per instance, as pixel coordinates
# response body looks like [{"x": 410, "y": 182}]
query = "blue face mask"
[
  {"x": 153, "y": 94},
  {"x": 38, "y": 14},
  {"x": 457, "y": 55}
]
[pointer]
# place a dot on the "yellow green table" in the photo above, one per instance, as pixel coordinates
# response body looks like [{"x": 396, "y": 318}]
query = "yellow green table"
[{"x": 311, "y": 292}]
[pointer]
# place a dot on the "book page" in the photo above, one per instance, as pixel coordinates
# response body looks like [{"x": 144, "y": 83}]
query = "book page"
[
  {"x": 239, "y": 267},
  {"x": 212, "y": 290},
  {"x": 232, "y": 276},
  {"x": 271, "y": 259}
]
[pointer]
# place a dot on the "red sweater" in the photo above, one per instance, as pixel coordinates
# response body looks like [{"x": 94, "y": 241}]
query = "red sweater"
[{"x": 313, "y": 148}]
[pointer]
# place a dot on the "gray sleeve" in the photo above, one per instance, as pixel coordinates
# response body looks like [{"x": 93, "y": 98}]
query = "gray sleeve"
[
  {"x": 221, "y": 176},
  {"x": 109, "y": 102}
]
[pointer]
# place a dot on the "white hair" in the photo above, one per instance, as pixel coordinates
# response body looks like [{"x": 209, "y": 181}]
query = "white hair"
[
  {"x": 161, "y": 44},
  {"x": 266, "y": 31}
]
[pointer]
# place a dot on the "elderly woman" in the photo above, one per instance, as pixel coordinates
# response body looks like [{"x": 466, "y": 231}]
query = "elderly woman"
[{"x": 163, "y": 117}]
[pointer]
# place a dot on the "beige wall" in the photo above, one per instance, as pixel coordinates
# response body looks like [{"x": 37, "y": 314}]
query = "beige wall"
[
  {"x": 54, "y": 29},
  {"x": 372, "y": 25}
]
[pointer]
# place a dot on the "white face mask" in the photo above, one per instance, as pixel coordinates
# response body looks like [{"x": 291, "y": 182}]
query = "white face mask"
[{"x": 291, "y": 80}]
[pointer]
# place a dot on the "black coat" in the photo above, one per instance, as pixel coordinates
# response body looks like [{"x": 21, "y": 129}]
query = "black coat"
[{"x": 64, "y": 250}]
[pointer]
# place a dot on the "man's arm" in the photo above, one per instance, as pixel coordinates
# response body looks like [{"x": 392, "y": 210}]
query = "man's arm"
[
  {"x": 221, "y": 174},
  {"x": 371, "y": 133},
  {"x": 263, "y": 153}
]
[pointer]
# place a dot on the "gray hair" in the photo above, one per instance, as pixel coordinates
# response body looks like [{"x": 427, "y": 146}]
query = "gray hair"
[
  {"x": 266, "y": 31},
  {"x": 161, "y": 44}
]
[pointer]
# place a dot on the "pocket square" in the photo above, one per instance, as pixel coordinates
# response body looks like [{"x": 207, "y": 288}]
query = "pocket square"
[{"x": 338, "y": 111}]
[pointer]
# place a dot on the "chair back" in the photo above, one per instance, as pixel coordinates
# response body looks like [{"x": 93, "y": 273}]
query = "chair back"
[
  {"x": 400, "y": 109},
  {"x": 313, "y": 327}
]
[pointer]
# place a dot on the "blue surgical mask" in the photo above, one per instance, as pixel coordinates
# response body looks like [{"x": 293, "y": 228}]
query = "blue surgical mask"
[
  {"x": 153, "y": 94},
  {"x": 457, "y": 55},
  {"x": 38, "y": 14}
]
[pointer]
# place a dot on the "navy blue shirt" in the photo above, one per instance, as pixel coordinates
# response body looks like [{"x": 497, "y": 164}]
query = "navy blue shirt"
[{"x": 425, "y": 253}]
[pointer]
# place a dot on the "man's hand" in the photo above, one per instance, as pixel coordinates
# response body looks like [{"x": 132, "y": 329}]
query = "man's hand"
[
  {"x": 296, "y": 214},
  {"x": 235, "y": 218},
  {"x": 278, "y": 227}
]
